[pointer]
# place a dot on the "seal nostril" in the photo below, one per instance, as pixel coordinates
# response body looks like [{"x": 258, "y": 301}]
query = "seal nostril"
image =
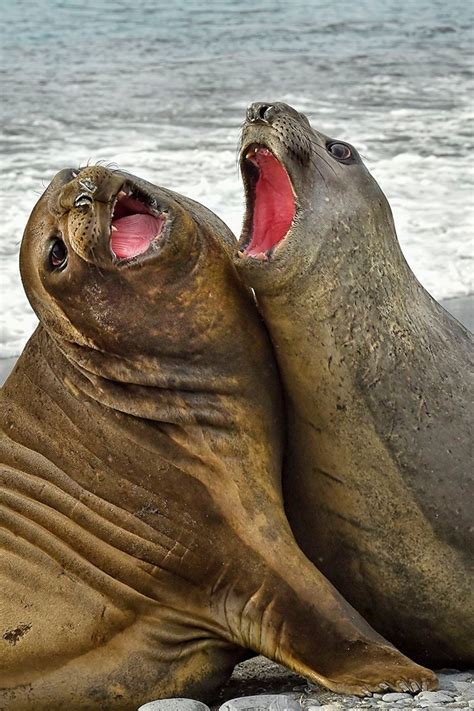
[
  {"x": 83, "y": 200},
  {"x": 260, "y": 112}
]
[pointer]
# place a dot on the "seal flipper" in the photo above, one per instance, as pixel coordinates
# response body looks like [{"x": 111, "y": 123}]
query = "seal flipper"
[
  {"x": 338, "y": 648},
  {"x": 73, "y": 638},
  {"x": 132, "y": 671}
]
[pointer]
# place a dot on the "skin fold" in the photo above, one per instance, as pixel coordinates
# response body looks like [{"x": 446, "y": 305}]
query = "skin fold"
[
  {"x": 377, "y": 377},
  {"x": 145, "y": 547}
]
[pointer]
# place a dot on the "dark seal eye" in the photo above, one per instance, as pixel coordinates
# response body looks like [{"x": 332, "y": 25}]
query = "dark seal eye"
[
  {"x": 340, "y": 151},
  {"x": 58, "y": 254}
]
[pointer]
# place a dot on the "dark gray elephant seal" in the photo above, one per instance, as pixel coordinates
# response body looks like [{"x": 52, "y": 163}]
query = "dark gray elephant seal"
[
  {"x": 379, "y": 474},
  {"x": 144, "y": 541}
]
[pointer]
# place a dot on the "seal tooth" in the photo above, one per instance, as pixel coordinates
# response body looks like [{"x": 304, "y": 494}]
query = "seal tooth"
[
  {"x": 113, "y": 228},
  {"x": 255, "y": 150}
]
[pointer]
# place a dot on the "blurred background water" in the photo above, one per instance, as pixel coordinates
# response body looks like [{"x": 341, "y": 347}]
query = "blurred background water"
[{"x": 160, "y": 88}]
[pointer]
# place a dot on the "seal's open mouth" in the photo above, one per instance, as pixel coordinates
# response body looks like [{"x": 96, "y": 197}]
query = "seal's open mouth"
[
  {"x": 271, "y": 205},
  {"x": 134, "y": 226}
]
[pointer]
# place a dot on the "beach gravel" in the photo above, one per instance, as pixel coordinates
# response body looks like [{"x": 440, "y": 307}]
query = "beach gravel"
[
  {"x": 174, "y": 705},
  {"x": 256, "y": 679},
  {"x": 261, "y": 685}
]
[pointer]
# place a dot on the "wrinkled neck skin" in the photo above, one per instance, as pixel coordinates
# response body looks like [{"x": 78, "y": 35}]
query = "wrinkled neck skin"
[
  {"x": 188, "y": 375},
  {"x": 195, "y": 382}
]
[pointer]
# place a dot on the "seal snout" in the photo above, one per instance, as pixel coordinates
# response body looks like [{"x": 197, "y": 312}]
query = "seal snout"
[
  {"x": 261, "y": 112},
  {"x": 105, "y": 216}
]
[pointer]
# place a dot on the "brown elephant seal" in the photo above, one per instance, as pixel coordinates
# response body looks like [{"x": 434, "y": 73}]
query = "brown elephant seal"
[
  {"x": 379, "y": 474},
  {"x": 144, "y": 538}
]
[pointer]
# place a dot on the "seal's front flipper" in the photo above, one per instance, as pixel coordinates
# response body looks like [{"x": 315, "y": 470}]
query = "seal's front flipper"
[
  {"x": 128, "y": 673},
  {"x": 147, "y": 660},
  {"x": 72, "y": 637},
  {"x": 296, "y": 617}
]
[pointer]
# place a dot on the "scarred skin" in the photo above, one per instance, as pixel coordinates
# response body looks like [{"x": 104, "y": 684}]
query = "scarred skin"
[
  {"x": 145, "y": 545},
  {"x": 378, "y": 475}
]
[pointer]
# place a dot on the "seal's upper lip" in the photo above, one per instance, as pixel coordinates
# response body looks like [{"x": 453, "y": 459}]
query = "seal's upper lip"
[
  {"x": 271, "y": 203},
  {"x": 136, "y": 223}
]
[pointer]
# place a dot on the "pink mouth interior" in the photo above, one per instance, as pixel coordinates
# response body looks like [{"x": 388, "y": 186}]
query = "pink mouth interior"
[
  {"x": 134, "y": 227},
  {"x": 274, "y": 203}
]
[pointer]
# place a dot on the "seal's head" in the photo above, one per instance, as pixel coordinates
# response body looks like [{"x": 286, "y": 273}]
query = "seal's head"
[
  {"x": 105, "y": 255},
  {"x": 305, "y": 193}
]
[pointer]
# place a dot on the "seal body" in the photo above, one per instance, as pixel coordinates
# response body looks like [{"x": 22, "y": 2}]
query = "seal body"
[
  {"x": 378, "y": 390},
  {"x": 145, "y": 548}
]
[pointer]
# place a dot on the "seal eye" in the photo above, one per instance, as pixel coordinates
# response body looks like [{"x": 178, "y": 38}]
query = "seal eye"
[
  {"x": 340, "y": 151},
  {"x": 58, "y": 254}
]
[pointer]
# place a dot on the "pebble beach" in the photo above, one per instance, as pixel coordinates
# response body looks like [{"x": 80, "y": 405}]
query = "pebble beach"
[{"x": 261, "y": 685}]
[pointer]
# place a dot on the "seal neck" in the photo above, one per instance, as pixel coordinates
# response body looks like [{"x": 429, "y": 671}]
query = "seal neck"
[
  {"x": 196, "y": 372},
  {"x": 364, "y": 268},
  {"x": 157, "y": 387}
]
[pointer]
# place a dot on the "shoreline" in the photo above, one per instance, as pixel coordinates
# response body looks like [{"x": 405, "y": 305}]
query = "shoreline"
[{"x": 461, "y": 307}]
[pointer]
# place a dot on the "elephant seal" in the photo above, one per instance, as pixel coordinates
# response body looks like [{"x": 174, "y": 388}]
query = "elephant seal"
[
  {"x": 378, "y": 477},
  {"x": 145, "y": 545}
]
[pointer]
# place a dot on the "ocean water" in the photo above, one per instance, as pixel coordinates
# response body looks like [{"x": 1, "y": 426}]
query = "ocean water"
[{"x": 160, "y": 89}]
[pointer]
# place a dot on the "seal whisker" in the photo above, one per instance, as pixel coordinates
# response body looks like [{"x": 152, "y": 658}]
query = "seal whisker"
[
  {"x": 318, "y": 150},
  {"x": 315, "y": 165}
]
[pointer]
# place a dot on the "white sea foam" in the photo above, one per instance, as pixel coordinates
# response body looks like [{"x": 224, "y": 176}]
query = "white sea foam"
[
  {"x": 433, "y": 209},
  {"x": 392, "y": 78}
]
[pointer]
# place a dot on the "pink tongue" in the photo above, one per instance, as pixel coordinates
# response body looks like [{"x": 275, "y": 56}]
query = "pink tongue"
[{"x": 134, "y": 234}]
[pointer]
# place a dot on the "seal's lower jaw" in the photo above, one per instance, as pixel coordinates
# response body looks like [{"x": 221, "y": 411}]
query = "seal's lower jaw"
[
  {"x": 271, "y": 205},
  {"x": 135, "y": 225}
]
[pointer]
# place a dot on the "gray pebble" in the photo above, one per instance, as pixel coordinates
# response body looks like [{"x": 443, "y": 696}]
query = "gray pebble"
[
  {"x": 462, "y": 676},
  {"x": 174, "y": 705},
  {"x": 462, "y": 686},
  {"x": 396, "y": 696},
  {"x": 285, "y": 703},
  {"x": 446, "y": 685},
  {"x": 434, "y": 697},
  {"x": 263, "y": 702}
]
